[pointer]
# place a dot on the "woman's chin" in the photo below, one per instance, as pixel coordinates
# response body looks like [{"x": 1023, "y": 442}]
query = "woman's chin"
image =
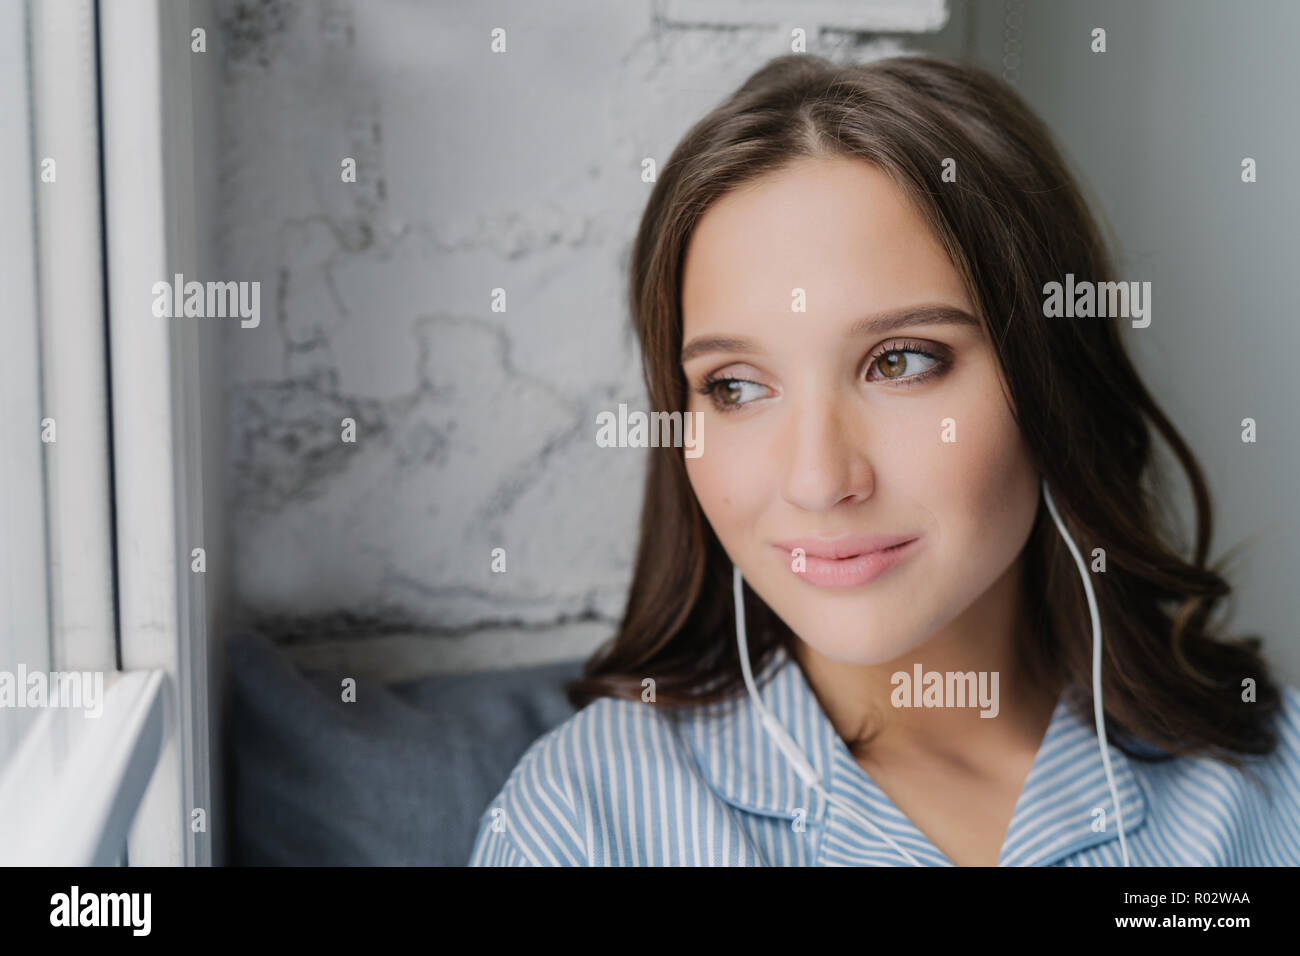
[{"x": 844, "y": 637}]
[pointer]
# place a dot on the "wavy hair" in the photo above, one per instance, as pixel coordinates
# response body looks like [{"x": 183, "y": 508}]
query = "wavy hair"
[{"x": 1014, "y": 220}]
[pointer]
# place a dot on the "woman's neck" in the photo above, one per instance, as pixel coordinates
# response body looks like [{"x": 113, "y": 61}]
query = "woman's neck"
[{"x": 941, "y": 719}]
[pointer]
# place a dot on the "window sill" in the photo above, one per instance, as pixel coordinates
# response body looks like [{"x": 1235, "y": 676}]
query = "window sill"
[{"x": 70, "y": 792}]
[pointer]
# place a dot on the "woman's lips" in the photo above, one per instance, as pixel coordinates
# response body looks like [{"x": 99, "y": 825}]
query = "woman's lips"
[{"x": 846, "y": 562}]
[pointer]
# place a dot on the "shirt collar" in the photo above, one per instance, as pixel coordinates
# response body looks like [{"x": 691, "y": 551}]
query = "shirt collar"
[{"x": 1055, "y": 815}]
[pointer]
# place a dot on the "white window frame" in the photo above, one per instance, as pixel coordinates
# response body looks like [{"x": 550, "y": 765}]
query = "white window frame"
[
  {"x": 125, "y": 492},
  {"x": 24, "y": 589},
  {"x": 147, "y": 71}
]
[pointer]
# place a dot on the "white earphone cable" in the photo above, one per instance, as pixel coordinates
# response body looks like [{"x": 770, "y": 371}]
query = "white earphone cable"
[
  {"x": 1097, "y": 710},
  {"x": 785, "y": 743}
]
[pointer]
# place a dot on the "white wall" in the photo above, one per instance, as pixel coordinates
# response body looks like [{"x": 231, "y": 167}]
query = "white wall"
[
  {"x": 475, "y": 428},
  {"x": 1157, "y": 127}
]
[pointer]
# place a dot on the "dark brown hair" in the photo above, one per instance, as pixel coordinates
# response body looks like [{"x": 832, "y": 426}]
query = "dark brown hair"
[{"x": 1013, "y": 220}]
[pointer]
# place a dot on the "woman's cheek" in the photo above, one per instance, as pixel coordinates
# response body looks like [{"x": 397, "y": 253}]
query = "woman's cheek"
[
  {"x": 727, "y": 480},
  {"x": 994, "y": 484},
  {"x": 713, "y": 479},
  {"x": 914, "y": 461}
]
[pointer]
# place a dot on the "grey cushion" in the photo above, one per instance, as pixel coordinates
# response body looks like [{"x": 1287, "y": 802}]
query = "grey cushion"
[{"x": 398, "y": 777}]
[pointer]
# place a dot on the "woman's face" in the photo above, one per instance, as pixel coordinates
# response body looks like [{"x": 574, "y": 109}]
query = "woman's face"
[{"x": 827, "y": 428}]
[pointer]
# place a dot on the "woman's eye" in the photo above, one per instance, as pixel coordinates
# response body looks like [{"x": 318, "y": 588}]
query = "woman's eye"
[
  {"x": 896, "y": 364},
  {"x": 731, "y": 392}
]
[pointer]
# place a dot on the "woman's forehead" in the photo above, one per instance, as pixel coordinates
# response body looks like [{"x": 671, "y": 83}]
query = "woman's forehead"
[{"x": 834, "y": 236}]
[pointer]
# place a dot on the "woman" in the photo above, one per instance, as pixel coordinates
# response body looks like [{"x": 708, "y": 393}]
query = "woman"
[{"x": 940, "y": 499}]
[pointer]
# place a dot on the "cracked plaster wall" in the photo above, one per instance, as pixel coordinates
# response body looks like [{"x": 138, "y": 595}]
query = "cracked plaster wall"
[{"x": 475, "y": 429}]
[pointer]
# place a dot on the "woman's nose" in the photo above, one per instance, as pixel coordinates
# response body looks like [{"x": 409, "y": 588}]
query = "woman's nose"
[{"x": 827, "y": 462}]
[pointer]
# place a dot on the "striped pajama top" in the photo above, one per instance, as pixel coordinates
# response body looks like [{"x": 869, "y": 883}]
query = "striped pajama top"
[{"x": 621, "y": 783}]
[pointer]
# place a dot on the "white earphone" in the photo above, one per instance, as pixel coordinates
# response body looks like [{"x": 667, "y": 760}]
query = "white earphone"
[{"x": 785, "y": 743}]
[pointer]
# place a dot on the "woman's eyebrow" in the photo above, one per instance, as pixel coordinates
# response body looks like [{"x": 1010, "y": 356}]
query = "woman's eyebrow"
[{"x": 881, "y": 323}]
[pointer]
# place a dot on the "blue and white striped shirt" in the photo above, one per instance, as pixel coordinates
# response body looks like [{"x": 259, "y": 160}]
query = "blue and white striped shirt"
[{"x": 623, "y": 783}]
